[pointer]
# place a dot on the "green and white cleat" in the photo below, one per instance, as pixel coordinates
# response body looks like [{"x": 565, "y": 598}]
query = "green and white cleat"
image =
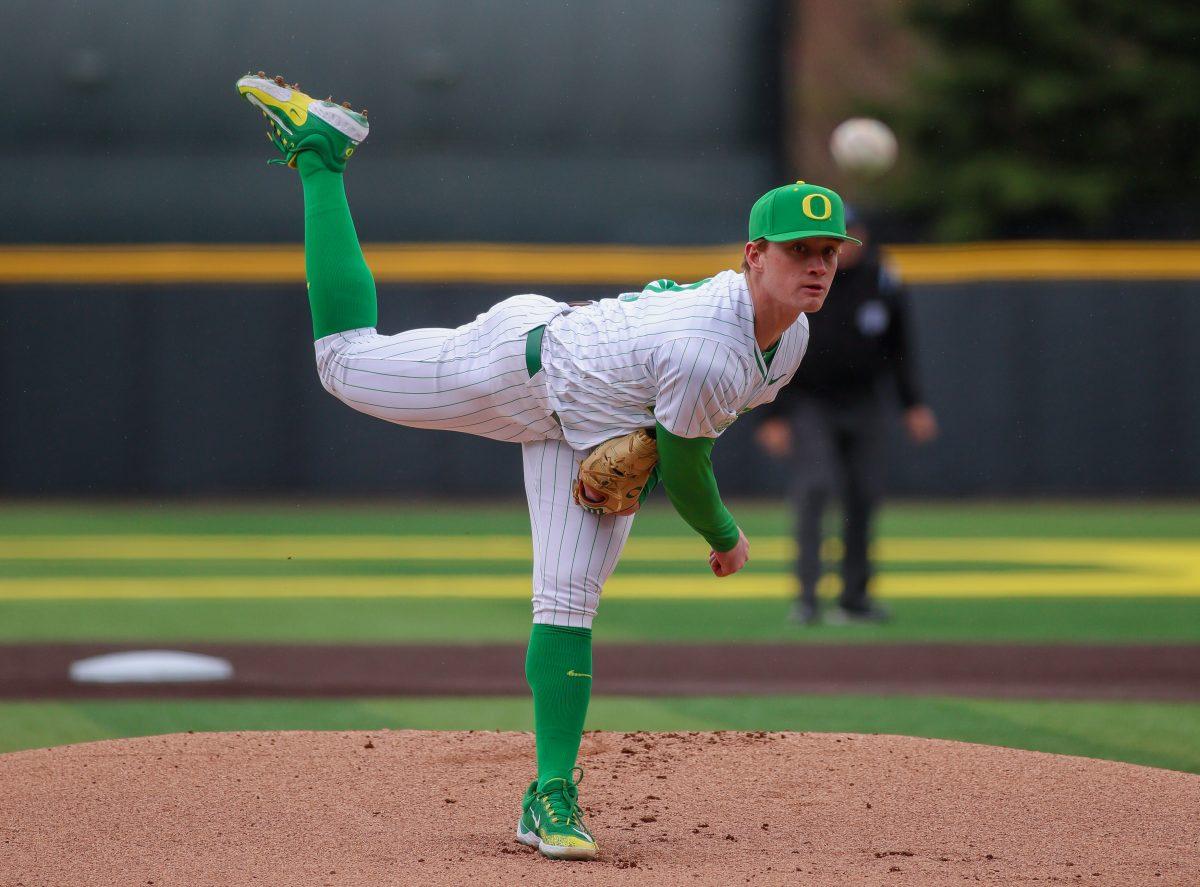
[
  {"x": 298, "y": 122},
  {"x": 552, "y": 821}
]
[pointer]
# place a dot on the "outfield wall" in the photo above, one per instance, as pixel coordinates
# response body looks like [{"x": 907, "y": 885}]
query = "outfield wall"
[
  {"x": 1043, "y": 387},
  {"x": 540, "y": 120},
  {"x": 159, "y": 370}
]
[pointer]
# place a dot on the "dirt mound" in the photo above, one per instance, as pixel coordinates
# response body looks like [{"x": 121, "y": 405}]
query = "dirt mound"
[{"x": 412, "y": 807}]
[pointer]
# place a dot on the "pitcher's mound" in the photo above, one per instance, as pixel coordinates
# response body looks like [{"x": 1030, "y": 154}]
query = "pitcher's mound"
[{"x": 412, "y": 807}]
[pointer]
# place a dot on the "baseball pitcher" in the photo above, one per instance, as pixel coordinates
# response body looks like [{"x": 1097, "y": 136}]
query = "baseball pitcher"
[{"x": 606, "y": 400}]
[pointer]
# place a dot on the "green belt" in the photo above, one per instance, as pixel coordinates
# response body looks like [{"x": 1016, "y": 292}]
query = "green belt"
[
  {"x": 533, "y": 357},
  {"x": 533, "y": 350}
]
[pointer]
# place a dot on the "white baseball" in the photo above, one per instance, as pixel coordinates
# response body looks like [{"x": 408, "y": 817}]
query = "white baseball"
[{"x": 863, "y": 145}]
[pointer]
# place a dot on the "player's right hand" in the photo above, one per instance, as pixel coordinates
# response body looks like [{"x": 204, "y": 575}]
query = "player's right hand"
[
  {"x": 726, "y": 563},
  {"x": 775, "y": 436}
]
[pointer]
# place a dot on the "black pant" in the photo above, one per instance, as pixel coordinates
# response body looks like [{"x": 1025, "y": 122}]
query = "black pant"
[{"x": 838, "y": 447}]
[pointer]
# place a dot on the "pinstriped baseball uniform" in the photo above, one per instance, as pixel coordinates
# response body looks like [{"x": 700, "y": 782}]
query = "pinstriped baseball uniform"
[{"x": 682, "y": 356}]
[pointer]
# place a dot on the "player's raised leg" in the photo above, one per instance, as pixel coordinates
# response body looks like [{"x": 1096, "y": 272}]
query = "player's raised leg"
[
  {"x": 317, "y": 138},
  {"x": 574, "y": 552},
  {"x": 473, "y": 378}
]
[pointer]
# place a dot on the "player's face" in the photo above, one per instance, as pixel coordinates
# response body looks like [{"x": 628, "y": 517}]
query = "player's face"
[{"x": 799, "y": 272}]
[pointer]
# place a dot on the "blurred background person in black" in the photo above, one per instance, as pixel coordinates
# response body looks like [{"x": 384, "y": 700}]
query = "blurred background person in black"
[{"x": 830, "y": 422}]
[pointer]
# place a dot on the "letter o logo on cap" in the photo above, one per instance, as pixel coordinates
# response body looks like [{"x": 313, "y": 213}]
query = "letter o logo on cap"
[{"x": 807, "y": 206}]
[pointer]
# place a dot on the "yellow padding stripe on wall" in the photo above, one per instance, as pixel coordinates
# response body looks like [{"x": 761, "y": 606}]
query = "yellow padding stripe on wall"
[
  {"x": 501, "y": 263},
  {"x": 1047, "y": 260}
]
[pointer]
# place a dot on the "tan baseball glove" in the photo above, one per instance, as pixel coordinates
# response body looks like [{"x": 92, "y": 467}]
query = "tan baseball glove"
[{"x": 612, "y": 477}]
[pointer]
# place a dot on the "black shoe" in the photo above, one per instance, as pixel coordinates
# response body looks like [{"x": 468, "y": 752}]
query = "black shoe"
[
  {"x": 803, "y": 613},
  {"x": 870, "y": 614}
]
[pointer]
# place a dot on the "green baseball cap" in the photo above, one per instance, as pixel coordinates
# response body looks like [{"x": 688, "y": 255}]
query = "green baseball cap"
[{"x": 799, "y": 210}]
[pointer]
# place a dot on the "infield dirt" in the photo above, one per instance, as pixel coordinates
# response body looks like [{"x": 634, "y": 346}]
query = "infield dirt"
[
  {"x": 440, "y": 808},
  {"x": 1023, "y": 671}
]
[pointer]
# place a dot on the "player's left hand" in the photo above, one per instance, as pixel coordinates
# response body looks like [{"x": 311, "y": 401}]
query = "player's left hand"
[
  {"x": 726, "y": 563},
  {"x": 921, "y": 424}
]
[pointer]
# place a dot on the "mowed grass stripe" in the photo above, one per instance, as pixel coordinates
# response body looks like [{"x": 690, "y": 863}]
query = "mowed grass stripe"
[
  {"x": 1043, "y": 520},
  {"x": 518, "y": 547},
  {"x": 653, "y": 567},
  {"x": 167, "y": 569},
  {"x": 1152, "y": 734},
  {"x": 923, "y": 585},
  {"x": 1130, "y": 620}
]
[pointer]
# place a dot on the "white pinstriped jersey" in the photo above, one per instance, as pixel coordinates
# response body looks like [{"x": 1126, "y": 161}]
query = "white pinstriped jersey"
[{"x": 684, "y": 356}]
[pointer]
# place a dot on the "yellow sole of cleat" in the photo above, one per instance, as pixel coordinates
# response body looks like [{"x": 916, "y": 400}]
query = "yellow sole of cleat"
[
  {"x": 551, "y": 851},
  {"x": 286, "y": 106}
]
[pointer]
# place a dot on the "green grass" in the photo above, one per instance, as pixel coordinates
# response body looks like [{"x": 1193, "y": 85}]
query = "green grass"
[
  {"x": 1154, "y": 734},
  {"x": 169, "y": 568},
  {"x": 1040, "y": 620},
  {"x": 939, "y": 519},
  {"x": 1134, "y": 619},
  {"x": 1157, "y": 734}
]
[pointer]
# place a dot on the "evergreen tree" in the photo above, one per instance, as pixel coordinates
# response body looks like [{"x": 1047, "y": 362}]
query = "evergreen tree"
[{"x": 1071, "y": 117}]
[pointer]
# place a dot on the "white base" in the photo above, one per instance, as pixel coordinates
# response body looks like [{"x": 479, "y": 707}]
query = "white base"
[{"x": 150, "y": 667}]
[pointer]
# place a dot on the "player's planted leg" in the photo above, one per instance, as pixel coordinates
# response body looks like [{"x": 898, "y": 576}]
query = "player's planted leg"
[
  {"x": 574, "y": 553},
  {"x": 558, "y": 667}
]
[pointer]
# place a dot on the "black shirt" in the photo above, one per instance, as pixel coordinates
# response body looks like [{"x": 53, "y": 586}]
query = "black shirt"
[{"x": 858, "y": 338}]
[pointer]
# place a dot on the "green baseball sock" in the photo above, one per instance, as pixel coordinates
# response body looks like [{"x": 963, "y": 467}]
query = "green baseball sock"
[
  {"x": 558, "y": 667},
  {"x": 341, "y": 291}
]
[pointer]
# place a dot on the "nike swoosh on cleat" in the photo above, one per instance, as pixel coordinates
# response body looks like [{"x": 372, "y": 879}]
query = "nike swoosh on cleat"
[
  {"x": 270, "y": 112},
  {"x": 537, "y": 822}
]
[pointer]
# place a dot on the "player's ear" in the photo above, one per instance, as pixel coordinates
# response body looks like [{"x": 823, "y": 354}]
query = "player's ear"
[{"x": 753, "y": 255}]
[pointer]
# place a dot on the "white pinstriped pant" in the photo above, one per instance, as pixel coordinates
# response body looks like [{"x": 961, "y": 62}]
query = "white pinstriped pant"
[{"x": 474, "y": 379}]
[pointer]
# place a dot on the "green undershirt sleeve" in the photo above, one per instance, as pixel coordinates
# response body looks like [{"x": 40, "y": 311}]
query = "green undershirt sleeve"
[{"x": 685, "y": 467}]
